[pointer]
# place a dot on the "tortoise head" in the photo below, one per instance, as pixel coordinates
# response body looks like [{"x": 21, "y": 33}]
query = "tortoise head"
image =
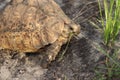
[{"x": 73, "y": 28}]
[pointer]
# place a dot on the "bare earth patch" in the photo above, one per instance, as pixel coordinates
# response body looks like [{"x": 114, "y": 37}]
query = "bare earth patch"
[{"x": 79, "y": 61}]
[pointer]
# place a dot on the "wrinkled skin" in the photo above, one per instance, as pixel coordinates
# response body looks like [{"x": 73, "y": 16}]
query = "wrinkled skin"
[{"x": 29, "y": 25}]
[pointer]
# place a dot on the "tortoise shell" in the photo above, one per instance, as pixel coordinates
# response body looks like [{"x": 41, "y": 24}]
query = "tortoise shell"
[{"x": 28, "y": 25}]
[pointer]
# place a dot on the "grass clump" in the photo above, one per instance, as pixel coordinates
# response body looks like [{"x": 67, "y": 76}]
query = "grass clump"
[
  {"x": 110, "y": 20},
  {"x": 111, "y": 23}
]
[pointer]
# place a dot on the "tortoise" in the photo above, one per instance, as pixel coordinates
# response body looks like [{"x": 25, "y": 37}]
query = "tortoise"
[{"x": 31, "y": 25}]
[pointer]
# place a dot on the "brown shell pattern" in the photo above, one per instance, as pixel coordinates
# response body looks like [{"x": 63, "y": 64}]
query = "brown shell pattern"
[{"x": 28, "y": 25}]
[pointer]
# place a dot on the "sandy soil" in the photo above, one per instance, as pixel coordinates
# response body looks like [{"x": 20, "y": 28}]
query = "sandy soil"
[{"x": 79, "y": 61}]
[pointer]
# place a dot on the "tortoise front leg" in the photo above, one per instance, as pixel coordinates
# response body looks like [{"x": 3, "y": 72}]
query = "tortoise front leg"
[{"x": 54, "y": 49}]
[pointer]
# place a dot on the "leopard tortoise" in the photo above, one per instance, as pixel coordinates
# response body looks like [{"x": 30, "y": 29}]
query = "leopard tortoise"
[{"x": 29, "y": 25}]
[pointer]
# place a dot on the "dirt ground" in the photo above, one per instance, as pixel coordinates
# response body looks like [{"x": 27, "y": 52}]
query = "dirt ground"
[{"x": 78, "y": 63}]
